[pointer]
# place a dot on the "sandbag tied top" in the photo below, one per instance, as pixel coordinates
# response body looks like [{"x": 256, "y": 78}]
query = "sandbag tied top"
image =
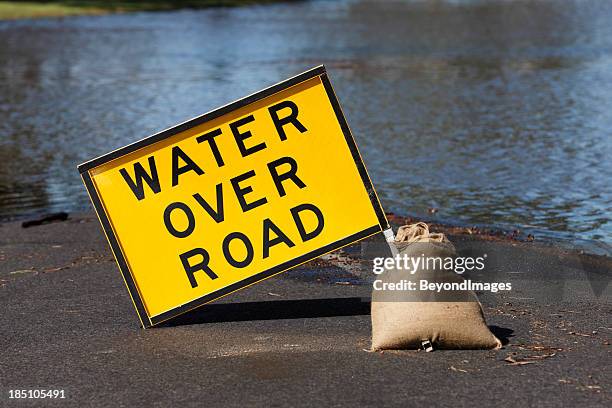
[
  {"x": 404, "y": 319},
  {"x": 418, "y": 232}
]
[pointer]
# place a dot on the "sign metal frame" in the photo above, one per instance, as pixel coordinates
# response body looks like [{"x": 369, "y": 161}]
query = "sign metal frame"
[{"x": 85, "y": 168}]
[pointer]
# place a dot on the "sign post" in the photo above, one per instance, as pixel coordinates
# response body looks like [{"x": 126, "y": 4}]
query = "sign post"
[{"x": 233, "y": 197}]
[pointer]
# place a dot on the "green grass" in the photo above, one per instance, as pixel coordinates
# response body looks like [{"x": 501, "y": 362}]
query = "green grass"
[{"x": 10, "y": 10}]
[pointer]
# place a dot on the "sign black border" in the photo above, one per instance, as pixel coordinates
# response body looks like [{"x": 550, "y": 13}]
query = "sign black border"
[{"x": 85, "y": 168}]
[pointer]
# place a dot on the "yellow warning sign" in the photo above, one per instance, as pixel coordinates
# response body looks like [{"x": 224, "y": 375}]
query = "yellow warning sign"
[{"x": 233, "y": 197}]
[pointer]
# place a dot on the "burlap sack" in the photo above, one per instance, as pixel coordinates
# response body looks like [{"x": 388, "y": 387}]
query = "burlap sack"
[{"x": 405, "y": 319}]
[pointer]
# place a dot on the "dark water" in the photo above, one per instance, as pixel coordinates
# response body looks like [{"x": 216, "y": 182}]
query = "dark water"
[{"x": 495, "y": 113}]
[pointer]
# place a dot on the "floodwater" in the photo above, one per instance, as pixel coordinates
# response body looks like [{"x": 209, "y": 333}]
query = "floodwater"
[{"x": 494, "y": 113}]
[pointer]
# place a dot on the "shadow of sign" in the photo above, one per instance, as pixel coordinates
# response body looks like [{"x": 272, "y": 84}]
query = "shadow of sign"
[{"x": 277, "y": 309}]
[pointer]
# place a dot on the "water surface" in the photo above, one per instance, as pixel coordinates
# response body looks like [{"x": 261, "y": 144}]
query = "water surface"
[{"x": 495, "y": 113}]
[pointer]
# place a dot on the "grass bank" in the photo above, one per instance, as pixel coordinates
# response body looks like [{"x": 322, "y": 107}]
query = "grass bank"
[{"x": 11, "y": 10}]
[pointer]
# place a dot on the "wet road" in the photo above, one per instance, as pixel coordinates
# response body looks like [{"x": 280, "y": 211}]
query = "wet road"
[{"x": 494, "y": 113}]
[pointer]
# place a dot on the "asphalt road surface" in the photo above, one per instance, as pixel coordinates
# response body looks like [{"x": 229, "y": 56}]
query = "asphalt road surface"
[{"x": 299, "y": 339}]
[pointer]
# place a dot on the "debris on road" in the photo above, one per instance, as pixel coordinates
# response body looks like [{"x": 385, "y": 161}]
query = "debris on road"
[{"x": 46, "y": 219}]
